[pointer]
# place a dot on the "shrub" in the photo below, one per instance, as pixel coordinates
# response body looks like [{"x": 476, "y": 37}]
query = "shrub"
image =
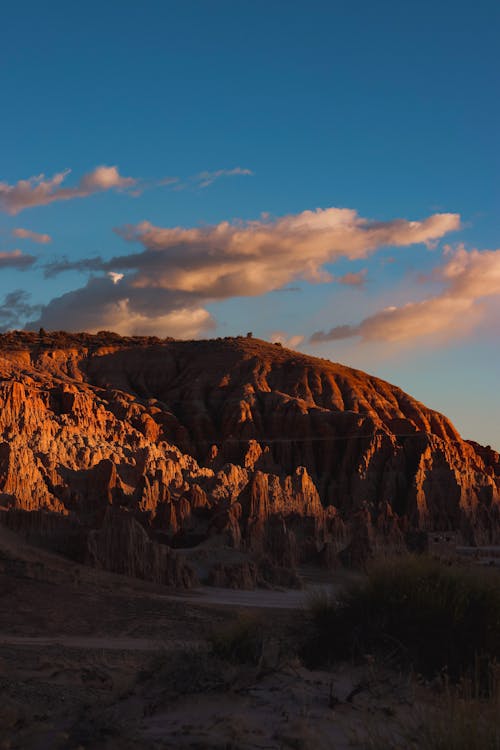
[
  {"x": 425, "y": 613},
  {"x": 239, "y": 642}
]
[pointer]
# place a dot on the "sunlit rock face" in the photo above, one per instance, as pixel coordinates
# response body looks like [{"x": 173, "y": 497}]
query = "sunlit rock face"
[{"x": 233, "y": 443}]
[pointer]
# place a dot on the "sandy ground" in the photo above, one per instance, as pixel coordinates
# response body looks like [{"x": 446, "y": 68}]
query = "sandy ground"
[
  {"x": 86, "y": 669},
  {"x": 62, "y": 698},
  {"x": 92, "y": 661}
]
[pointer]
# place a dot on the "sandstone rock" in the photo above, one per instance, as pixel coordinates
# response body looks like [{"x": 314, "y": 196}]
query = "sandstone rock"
[
  {"x": 282, "y": 456},
  {"x": 121, "y": 545}
]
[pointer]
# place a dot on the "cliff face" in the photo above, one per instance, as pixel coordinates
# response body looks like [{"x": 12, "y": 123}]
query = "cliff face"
[{"x": 263, "y": 449}]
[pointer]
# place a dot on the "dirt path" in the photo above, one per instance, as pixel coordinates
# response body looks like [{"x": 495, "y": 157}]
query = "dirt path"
[
  {"x": 108, "y": 643},
  {"x": 258, "y": 598},
  {"x": 236, "y": 599},
  {"x": 203, "y": 596}
]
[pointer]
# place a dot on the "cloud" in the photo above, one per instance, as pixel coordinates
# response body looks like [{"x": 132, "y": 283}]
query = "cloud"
[
  {"x": 180, "y": 268},
  {"x": 27, "y": 234},
  {"x": 110, "y": 303},
  {"x": 252, "y": 258},
  {"x": 334, "y": 334},
  {"x": 468, "y": 278},
  {"x": 354, "y": 279},
  {"x": 16, "y": 259},
  {"x": 64, "y": 264},
  {"x": 15, "y": 308},
  {"x": 40, "y": 191},
  {"x": 204, "y": 179},
  {"x": 291, "y": 342},
  {"x": 142, "y": 185},
  {"x": 104, "y": 178}
]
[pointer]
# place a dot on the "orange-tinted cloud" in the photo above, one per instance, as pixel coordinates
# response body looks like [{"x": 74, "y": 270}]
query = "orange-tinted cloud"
[
  {"x": 255, "y": 257},
  {"x": 27, "y": 234},
  {"x": 178, "y": 270},
  {"x": 109, "y": 302},
  {"x": 354, "y": 279},
  {"x": 468, "y": 277},
  {"x": 40, "y": 191},
  {"x": 181, "y": 269},
  {"x": 291, "y": 342}
]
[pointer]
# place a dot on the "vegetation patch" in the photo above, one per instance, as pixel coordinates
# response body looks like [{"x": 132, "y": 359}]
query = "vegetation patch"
[
  {"x": 427, "y": 615},
  {"x": 239, "y": 642},
  {"x": 458, "y": 720}
]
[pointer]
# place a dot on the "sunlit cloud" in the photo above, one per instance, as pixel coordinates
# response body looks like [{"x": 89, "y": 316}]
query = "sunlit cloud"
[
  {"x": 27, "y": 234},
  {"x": 291, "y": 342},
  {"x": 468, "y": 278},
  {"x": 252, "y": 258},
  {"x": 179, "y": 268},
  {"x": 111, "y": 303},
  {"x": 40, "y": 190}
]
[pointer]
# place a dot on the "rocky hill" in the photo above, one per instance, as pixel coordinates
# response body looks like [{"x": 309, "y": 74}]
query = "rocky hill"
[{"x": 119, "y": 451}]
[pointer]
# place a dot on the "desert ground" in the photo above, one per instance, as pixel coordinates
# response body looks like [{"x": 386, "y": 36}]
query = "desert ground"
[{"x": 94, "y": 660}]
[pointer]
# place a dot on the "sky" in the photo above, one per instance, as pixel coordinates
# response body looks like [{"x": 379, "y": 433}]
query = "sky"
[{"x": 325, "y": 174}]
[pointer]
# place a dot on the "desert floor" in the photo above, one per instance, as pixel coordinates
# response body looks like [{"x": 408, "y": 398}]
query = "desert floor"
[{"x": 93, "y": 660}]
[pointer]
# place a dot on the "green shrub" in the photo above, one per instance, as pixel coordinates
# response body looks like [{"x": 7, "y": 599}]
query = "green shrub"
[
  {"x": 427, "y": 614},
  {"x": 239, "y": 642}
]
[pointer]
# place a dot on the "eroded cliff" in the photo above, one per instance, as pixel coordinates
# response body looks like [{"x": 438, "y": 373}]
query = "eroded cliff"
[{"x": 232, "y": 442}]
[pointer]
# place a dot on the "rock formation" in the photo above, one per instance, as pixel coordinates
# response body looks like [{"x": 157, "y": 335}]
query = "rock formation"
[{"x": 118, "y": 451}]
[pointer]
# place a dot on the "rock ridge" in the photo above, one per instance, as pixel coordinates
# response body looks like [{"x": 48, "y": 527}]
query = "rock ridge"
[{"x": 147, "y": 446}]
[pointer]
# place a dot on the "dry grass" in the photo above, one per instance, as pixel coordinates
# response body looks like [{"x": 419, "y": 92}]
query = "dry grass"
[
  {"x": 425, "y": 614},
  {"x": 239, "y": 642},
  {"x": 459, "y": 720}
]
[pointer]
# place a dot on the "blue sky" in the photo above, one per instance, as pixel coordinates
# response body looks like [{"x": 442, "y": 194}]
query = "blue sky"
[{"x": 389, "y": 109}]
